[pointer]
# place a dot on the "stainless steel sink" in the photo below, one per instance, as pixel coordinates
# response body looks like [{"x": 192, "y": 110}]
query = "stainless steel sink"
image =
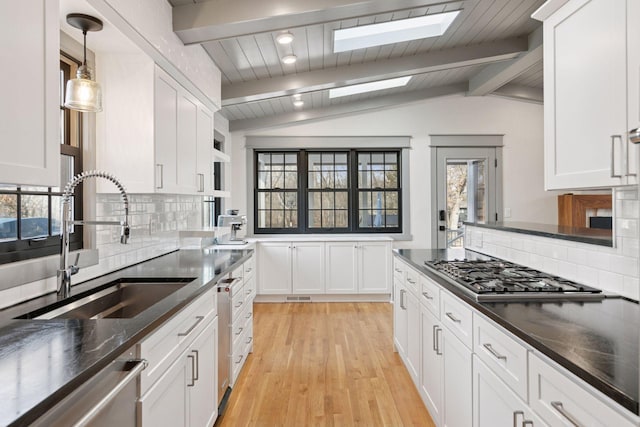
[{"x": 121, "y": 299}]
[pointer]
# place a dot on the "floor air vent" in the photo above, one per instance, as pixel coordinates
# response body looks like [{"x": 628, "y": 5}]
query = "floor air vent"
[{"x": 299, "y": 299}]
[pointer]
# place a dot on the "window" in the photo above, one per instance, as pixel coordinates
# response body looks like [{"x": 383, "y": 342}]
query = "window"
[
  {"x": 313, "y": 191},
  {"x": 30, "y": 216}
]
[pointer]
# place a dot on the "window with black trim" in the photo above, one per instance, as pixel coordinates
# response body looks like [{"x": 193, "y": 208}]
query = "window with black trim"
[
  {"x": 321, "y": 191},
  {"x": 30, "y": 216}
]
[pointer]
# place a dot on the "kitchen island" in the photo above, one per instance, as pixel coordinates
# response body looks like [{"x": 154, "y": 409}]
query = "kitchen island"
[
  {"x": 596, "y": 341},
  {"x": 42, "y": 361}
]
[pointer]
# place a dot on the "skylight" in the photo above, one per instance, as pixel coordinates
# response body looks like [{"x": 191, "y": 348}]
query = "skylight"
[
  {"x": 368, "y": 87},
  {"x": 398, "y": 31}
]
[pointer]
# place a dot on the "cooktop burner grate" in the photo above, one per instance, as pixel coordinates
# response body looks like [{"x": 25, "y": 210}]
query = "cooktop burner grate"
[{"x": 499, "y": 280}]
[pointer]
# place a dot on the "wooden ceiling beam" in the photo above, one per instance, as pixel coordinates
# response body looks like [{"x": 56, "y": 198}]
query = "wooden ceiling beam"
[
  {"x": 380, "y": 102},
  {"x": 223, "y": 19},
  {"x": 495, "y": 76},
  {"x": 483, "y": 53}
]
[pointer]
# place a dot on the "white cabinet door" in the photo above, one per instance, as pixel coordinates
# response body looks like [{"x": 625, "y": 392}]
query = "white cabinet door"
[
  {"x": 204, "y": 170},
  {"x": 585, "y": 95},
  {"x": 494, "y": 404},
  {"x": 457, "y": 381},
  {"x": 413, "y": 336},
  {"x": 308, "y": 267},
  {"x": 165, "y": 404},
  {"x": 341, "y": 276},
  {"x": 187, "y": 143},
  {"x": 30, "y": 108},
  {"x": 274, "y": 271},
  {"x": 400, "y": 319},
  {"x": 166, "y": 128},
  {"x": 431, "y": 368},
  {"x": 203, "y": 395},
  {"x": 633, "y": 83},
  {"x": 374, "y": 267}
]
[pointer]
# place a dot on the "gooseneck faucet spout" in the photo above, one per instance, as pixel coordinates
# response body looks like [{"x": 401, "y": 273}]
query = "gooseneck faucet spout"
[{"x": 66, "y": 270}]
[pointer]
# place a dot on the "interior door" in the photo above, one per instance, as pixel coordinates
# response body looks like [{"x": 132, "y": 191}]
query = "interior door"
[{"x": 467, "y": 190}]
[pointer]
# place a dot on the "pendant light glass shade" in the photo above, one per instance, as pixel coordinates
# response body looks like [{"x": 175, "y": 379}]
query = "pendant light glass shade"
[{"x": 83, "y": 93}]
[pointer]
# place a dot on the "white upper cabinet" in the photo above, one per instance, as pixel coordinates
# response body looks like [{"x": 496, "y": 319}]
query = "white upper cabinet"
[
  {"x": 586, "y": 87},
  {"x": 153, "y": 135},
  {"x": 30, "y": 106}
]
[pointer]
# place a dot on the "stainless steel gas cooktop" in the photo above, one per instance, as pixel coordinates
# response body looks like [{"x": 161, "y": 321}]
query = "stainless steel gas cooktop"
[{"x": 497, "y": 280}]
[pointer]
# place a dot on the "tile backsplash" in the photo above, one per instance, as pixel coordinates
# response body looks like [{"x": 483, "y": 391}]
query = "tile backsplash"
[
  {"x": 155, "y": 221},
  {"x": 610, "y": 269}
]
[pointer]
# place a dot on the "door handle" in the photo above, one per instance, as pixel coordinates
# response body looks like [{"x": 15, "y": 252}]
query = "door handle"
[
  {"x": 613, "y": 155},
  {"x": 438, "y": 330},
  {"x": 515, "y": 417},
  {"x": 159, "y": 175},
  {"x": 193, "y": 370}
]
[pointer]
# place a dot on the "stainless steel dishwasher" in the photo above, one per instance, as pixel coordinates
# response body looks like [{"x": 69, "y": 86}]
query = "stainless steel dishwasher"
[{"x": 225, "y": 293}]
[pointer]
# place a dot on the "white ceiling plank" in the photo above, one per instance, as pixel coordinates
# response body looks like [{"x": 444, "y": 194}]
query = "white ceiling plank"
[
  {"x": 330, "y": 59},
  {"x": 497, "y": 75},
  {"x": 315, "y": 46},
  {"x": 221, "y": 19},
  {"x": 465, "y": 36},
  {"x": 519, "y": 21},
  {"x": 360, "y": 73},
  {"x": 254, "y": 57},
  {"x": 223, "y": 61},
  {"x": 340, "y": 110},
  {"x": 234, "y": 51},
  {"x": 269, "y": 53}
]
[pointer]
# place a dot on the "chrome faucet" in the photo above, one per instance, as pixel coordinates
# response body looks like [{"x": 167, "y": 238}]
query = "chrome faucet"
[{"x": 66, "y": 271}]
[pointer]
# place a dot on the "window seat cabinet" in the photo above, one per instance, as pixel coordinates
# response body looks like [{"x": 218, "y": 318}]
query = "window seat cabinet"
[
  {"x": 470, "y": 371},
  {"x": 317, "y": 267}
]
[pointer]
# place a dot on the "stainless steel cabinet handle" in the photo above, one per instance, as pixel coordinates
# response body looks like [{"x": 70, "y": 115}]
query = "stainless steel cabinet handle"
[
  {"x": 193, "y": 370},
  {"x": 491, "y": 350},
  {"x": 188, "y": 331},
  {"x": 558, "y": 407},
  {"x": 527, "y": 423},
  {"x": 398, "y": 270},
  {"x": 613, "y": 157},
  {"x": 159, "y": 175},
  {"x": 411, "y": 281},
  {"x": 197, "y": 375},
  {"x": 239, "y": 304},
  {"x": 427, "y": 296},
  {"x": 452, "y": 317},
  {"x": 435, "y": 344},
  {"x": 438, "y": 352},
  {"x": 239, "y": 331},
  {"x": 140, "y": 364},
  {"x": 249, "y": 314},
  {"x": 240, "y": 359},
  {"x": 515, "y": 417},
  {"x": 248, "y": 270},
  {"x": 200, "y": 182},
  {"x": 628, "y": 151},
  {"x": 402, "y": 292},
  {"x": 249, "y": 340}
]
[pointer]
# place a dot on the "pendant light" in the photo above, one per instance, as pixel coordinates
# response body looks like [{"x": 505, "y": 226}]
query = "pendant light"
[{"x": 83, "y": 93}]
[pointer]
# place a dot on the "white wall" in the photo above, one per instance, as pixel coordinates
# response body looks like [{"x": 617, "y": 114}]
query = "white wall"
[{"x": 520, "y": 122}]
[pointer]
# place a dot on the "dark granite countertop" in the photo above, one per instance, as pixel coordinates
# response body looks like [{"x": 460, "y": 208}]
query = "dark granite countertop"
[
  {"x": 597, "y": 341},
  {"x": 41, "y": 361},
  {"x": 593, "y": 236}
]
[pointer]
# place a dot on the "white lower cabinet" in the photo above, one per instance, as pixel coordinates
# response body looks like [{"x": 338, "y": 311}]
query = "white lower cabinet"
[
  {"x": 456, "y": 380},
  {"x": 308, "y": 267},
  {"x": 495, "y": 404},
  {"x": 431, "y": 368},
  {"x": 341, "y": 274},
  {"x": 274, "y": 268},
  {"x": 400, "y": 319},
  {"x": 561, "y": 402},
  {"x": 185, "y": 395},
  {"x": 373, "y": 263},
  {"x": 407, "y": 329}
]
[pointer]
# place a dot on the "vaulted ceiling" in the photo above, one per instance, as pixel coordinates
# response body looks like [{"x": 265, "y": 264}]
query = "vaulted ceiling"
[{"x": 492, "y": 47}]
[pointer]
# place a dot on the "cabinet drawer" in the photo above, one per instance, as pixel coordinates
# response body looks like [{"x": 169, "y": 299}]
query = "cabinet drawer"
[
  {"x": 399, "y": 269},
  {"x": 412, "y": 280},
  {"x": 506, "y": 357},
  {"x": 562, "y": 402},
  {"x": 162, "y": 347},
  {"x": 239, "y": 356},
  {"x": 250, "y": 289},
  {"x": 457, "y": 317},
  {"x": 430, "y": 295},
  {"x": 249, "y": 267},
  {"x": 238, "y": 273},
  {"x": 237, "y": 300},
  {"x": 248, "y": 341}
]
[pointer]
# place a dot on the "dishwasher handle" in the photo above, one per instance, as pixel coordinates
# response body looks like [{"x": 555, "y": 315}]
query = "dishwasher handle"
[{"x": 139, "y": 365}]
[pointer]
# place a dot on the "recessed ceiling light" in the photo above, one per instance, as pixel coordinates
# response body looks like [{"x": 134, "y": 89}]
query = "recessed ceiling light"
[
  {"x": 289, "y": 59},
  {"x": 398, "y": 31},
  {"x": 284, "y": 38},
  {"x": 368, "y": 87},
  {"x": 297, "y": 96},
  {"x": 298, "y": 103}
]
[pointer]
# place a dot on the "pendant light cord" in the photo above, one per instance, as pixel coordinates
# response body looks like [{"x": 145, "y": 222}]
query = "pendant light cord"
[{"x": 84, "y": 61}]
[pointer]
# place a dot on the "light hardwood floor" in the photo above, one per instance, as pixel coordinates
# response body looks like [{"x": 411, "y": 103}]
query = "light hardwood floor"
[{"x": 324, "y": 364}]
